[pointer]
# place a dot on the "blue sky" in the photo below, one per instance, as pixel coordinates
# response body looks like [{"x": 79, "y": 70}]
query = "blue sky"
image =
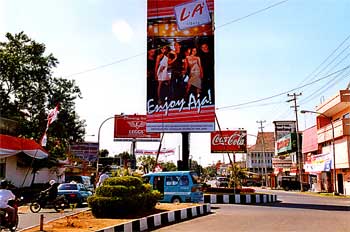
[{"x": 263, "y": 55}]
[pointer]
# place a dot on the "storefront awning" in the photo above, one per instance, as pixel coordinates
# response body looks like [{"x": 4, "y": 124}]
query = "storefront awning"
[{"x": 10, "y": 145}]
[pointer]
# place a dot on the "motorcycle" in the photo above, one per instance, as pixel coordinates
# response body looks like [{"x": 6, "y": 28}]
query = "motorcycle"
[
  {"x": 4, "y": 220},
  {"x": 59, "y": 203}
]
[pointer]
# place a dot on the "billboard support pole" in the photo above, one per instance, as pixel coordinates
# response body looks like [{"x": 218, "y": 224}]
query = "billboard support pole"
[
  {"x": 160, "y": 147},
  {"x": 185, "y": 150}
]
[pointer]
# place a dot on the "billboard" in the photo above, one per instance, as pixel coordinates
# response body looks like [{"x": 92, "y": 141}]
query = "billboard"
[
  {"x": 132, "y": 127},
  {"x": 318, "y": 163},
  {"x": 288, "y": 143},
  {"x": 86, "y": 151},
  {"x": 229, "y": 141},
  {"x": 180, "y": 66},
  {"x": 283, "y": 128}
]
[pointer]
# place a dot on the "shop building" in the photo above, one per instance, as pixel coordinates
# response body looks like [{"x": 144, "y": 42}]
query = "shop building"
[{"x": 333, "y": 125}]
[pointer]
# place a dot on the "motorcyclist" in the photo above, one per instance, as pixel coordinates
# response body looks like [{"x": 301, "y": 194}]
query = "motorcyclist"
[
  {"x": 5, "y": 196},
  {"x": 51, "y": 192}
]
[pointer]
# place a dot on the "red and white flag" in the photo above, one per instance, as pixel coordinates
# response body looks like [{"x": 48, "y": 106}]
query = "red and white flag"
[{"x": 50, "y": 119}]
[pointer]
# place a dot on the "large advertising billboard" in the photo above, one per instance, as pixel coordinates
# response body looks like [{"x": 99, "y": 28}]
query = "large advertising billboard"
[
  {"x": 180, "y": 66},
  {"x": 86, "y": 151},
  {"x": 229, "y": 141},
  {"x": 283, "y": 128},
  {"x": 132, "y": 127}
]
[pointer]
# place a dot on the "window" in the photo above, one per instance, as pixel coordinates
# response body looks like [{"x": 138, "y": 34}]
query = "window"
[
  {"x": 347, "y": 115},
  {"x": 2, "y": 167},
  {"x": 184, "y": 181},
  {"x": 172, "y": 180}
]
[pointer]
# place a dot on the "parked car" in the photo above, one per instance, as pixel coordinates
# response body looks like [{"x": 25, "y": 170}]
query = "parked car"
[
  {"x": 253, "y": 183},
  {"x": 85, "y": 180},
  {"x": 291, "y": 183},
  {"x": 74, "y": 192},
  {"x": 221, "y": 182}
]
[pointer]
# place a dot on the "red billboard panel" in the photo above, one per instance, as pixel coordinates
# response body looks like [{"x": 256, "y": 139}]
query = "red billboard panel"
[
  {"x": 180, "y": 66},
  {"x": 130, "y": 127},
  {"x": 229, "y": 141}
]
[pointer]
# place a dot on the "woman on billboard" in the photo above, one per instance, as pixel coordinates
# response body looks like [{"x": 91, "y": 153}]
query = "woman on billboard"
[{"x": 193, "y": 63}]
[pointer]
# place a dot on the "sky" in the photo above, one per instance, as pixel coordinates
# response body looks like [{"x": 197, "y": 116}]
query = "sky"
[{"x": 264, "y": 49}]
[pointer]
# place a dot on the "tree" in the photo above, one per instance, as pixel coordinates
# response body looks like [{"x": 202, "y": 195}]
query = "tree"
[
  {"x": 103, "y": 153},
  {"x": 237, "y": 175},
  {"x": 169, "y": 166},
  {"x": 28, "y": 91},
  {"x": 148, "y": 163},
  {"x": 124, "y": 156}
]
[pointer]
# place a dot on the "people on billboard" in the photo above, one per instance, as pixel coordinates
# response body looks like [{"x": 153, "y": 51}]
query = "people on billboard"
[
  {"x": 151, "y": 77},
  {"x": 177, "y": 86},
  {"x": 162, "y": 74},
  {"x": 193, "y": 64},
  {"x": 207, "y": 60}
]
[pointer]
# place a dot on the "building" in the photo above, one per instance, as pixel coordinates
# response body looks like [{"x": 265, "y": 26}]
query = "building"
[
  {"x": 314, "y": 164},
  {"x": 259, "y": 156},
  {"x": 333, "y": 123}
]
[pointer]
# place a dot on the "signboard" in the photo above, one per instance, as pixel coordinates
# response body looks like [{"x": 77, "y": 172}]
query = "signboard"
[
  {"x": 180, "y": 66},
  {"x": 229, "y": 141},
  {"x": 288, "y": 143},
  {"x": 318, "y": 163},
  {"x": 283, "y": 128},
  {"x": 86, "y": 151},
  {"x": 163, "y": 152},
  {"x": 281, "y": 163},
  {"x": 192, "y": 14},
  {"x": 132, "y": 127}
]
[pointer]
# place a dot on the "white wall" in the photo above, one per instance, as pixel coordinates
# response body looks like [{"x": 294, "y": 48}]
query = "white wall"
[{"x": 22, "y": 177}]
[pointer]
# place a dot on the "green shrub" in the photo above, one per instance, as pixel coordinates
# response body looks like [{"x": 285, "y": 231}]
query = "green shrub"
[
  {"x": 125, "y": 181},
  {"x": 122, "y": 196}
]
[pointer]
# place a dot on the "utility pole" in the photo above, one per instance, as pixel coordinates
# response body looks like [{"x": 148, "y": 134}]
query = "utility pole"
[
  {"x": 263, "y": 146},
  {"x": 299, "y": 156}
]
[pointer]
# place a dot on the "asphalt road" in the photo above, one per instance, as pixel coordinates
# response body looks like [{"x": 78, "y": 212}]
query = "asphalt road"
[{"x": 292, "y": 212}]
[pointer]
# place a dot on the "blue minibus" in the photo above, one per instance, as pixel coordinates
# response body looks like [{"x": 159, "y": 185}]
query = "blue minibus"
[{"x": 176, "y": 186}]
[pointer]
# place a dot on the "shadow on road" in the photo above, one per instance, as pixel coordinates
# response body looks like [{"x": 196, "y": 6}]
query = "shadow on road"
[{"x": 308, "y": 206}]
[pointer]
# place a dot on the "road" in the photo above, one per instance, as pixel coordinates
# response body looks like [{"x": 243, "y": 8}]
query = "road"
[
  {"x": 29, "y": 219},
  {"x": 292, "y": 212}
]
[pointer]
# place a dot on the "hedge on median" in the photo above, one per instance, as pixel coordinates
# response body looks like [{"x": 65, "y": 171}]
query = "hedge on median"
[{"x": 122, "y": 196}]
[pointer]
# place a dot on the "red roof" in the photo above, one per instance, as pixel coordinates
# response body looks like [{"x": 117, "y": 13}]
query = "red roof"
[{"x": 269, "y": 142}]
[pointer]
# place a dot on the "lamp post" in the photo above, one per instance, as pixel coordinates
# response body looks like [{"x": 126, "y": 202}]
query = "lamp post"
[
  {"x": 333, "y": 145},
  {"x": 98, "y": 142}
]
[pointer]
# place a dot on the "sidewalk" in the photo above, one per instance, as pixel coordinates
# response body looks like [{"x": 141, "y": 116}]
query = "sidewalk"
[{"x": 323, "y": 194}]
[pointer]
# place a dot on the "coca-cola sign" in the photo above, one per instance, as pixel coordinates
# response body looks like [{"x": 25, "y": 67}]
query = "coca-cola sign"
[{"x": 229, "y": 141}]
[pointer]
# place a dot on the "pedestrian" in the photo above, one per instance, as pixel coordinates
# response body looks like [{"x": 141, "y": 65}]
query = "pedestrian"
[{"x": 103, "y": 176}]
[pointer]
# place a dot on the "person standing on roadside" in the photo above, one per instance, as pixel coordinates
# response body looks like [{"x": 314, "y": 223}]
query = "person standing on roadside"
[{"x": 103, "y": 176}]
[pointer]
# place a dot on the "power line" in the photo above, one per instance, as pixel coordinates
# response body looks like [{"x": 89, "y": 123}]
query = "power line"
[
  {"x": 141, "y": 54},
  {"x": 291, "y": 90}
]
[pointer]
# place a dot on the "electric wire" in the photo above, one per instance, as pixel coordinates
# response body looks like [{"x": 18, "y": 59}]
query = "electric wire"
[
  {"x": 288, "y": 91},
  {"x": 143, "y": 53}
]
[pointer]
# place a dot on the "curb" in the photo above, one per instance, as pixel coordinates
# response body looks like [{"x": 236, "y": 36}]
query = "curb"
[
  {"x": 239, "y": 198},
  {"x": 161, "y": 219}
]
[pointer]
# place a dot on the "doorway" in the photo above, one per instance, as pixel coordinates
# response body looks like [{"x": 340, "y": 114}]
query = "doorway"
[{"x": 340, "y": 183}]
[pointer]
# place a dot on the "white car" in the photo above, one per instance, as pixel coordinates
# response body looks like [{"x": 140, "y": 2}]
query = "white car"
[{"x": 221, "y": 182}]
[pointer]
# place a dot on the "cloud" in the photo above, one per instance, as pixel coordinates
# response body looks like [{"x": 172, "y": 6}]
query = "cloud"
[{"x": 123, "y": 31}]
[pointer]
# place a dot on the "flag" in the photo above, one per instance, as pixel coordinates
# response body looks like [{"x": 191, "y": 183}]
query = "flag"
[{"x": 50, "y": 119}]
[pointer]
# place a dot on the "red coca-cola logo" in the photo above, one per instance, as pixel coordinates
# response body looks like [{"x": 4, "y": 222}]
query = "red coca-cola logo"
[{"x": 233, "y": 139}]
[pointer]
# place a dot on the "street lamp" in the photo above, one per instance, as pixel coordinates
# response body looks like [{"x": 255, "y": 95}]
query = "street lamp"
[
  {"x": 333, "y": 145},
  {"x": 98, "y": 142}
]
